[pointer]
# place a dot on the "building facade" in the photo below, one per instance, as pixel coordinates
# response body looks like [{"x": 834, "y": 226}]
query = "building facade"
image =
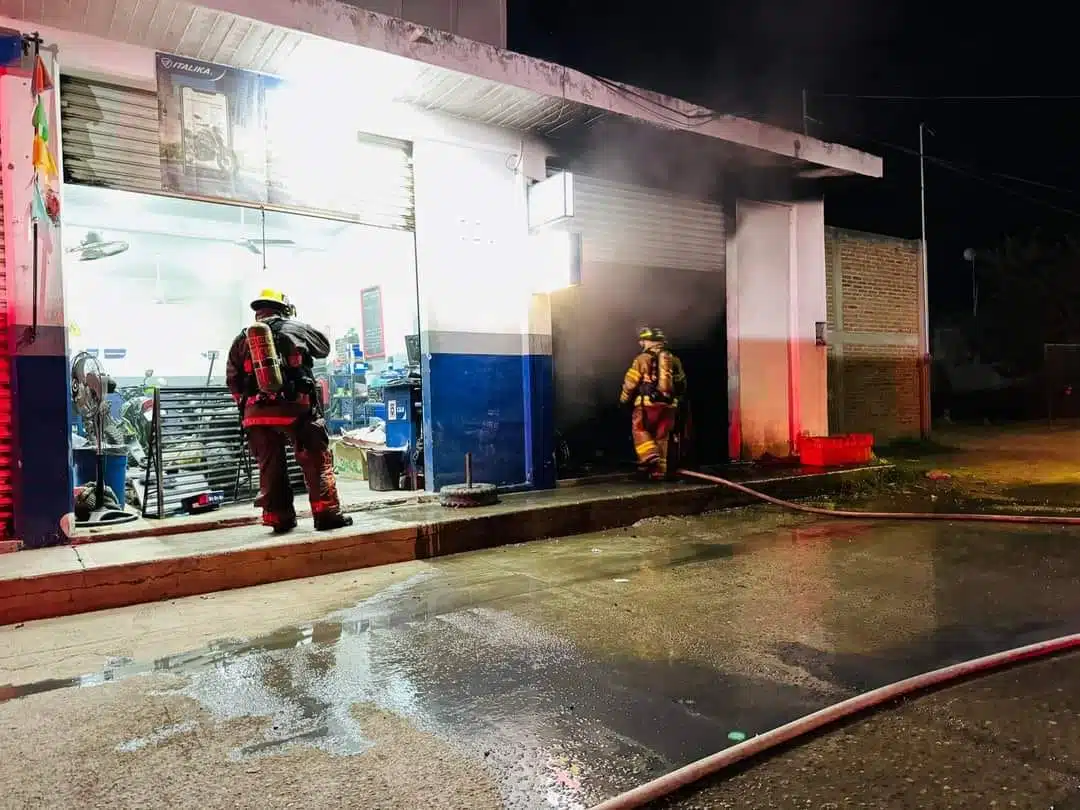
[{"x": 416, "y": 198}]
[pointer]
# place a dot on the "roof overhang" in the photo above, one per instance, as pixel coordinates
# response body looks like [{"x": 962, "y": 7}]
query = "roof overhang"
[{"x": 429, "y": 69}]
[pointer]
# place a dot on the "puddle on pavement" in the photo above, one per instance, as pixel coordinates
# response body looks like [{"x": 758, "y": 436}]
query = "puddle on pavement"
[
  {"x": 942, "y": 646},
  {"x": 558, "y": 727}
]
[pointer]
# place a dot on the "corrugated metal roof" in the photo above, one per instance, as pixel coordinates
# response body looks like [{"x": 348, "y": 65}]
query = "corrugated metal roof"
[
  {"x": 174, "y": 26},
  {"x": 167, "y": 25},
  {"x": 187, "y": 29}
]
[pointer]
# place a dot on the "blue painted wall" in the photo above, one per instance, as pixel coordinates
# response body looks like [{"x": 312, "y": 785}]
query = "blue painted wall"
[
  {"x": 475, "y": 403},
  {"x": 43, "y": 485},
  {"x": 497, "y": 407},
  {"x": 538, "y": 379}
]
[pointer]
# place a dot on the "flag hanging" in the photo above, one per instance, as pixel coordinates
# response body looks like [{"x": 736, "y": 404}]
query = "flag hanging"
[{"x": 42, "y": 82}]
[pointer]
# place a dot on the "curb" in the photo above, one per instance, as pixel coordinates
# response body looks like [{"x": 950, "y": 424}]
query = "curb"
[{"x": 111, "y": 586}]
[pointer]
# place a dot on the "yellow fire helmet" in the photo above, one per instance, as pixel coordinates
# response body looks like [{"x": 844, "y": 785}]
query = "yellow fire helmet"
[
  {"x": 651, "y": 333},
  {"x": 272, "y": 299}
]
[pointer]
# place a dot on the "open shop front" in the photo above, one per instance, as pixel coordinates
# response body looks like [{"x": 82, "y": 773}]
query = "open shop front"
[{"x": 159, "y": 274}]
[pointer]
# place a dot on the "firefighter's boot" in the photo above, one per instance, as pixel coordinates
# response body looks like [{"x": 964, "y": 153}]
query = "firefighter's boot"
[{"x": 329, "y": 522}]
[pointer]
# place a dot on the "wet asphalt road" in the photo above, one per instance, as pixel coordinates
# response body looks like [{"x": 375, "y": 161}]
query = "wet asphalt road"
[
  {"x": 1009, "y": 739},
  {"x": 549, "y": 675}
]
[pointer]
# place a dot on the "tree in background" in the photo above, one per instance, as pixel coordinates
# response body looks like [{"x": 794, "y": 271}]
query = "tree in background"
[{"x": 1029, "y": 295}]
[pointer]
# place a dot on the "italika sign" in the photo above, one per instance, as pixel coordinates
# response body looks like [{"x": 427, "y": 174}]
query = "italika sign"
[{"x": 201, "y": 70}]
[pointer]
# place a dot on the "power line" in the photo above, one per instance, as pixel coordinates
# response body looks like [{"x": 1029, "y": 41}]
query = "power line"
[
  {"x": 999, "y": 97},
  {"x": 658, "y": 108},
  {"x": 975, "y": 174},
  {"x": 960, "y": 167},
  {"x": 1018, "y": 194}
]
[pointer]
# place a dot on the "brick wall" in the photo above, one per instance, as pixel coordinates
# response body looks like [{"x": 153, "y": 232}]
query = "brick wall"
[{"x": 874, "y": 328}]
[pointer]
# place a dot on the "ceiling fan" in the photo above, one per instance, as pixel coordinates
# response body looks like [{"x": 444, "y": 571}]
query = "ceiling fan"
[
  {"x": 256, "y": 245},
  {"x": 94, "y": 247}
]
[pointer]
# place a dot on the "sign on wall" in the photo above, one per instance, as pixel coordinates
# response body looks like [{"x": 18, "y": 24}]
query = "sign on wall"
[
  {"x": 371, "y": 317},
  {"x": 212, "y": 122},
  {"x": 226, "y": 133},
  {"x": 238, "y": 135}
]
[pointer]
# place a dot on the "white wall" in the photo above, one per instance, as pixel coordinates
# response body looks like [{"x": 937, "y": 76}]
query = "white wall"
[
  {"x": 813, "y": 393},
  {"x": 759, "y": 310},
  {"x": 776, "y": 295},
  {"x": 472, "y": 243}
]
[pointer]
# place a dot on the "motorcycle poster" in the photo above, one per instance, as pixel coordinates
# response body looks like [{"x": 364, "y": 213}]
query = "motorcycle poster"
[{"x": 213, "y": 133}]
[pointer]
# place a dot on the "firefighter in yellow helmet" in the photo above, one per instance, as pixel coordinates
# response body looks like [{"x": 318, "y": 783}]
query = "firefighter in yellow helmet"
[
  {"x": 269, "y": 372},
  {"x": 655, "y": 383}
]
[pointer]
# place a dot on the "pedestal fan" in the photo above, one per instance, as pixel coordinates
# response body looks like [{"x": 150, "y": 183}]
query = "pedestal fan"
[{"x": 89, "y": 385}]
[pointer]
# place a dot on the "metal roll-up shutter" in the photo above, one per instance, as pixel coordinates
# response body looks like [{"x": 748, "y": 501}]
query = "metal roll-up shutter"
[
  {"x": 7, "y": 454},
  {"x": 382, "y": 183},
  {"x": 111, "y": 134},
  {"x": 642, "y": 227},
  {"x": 366, "y": 179}
]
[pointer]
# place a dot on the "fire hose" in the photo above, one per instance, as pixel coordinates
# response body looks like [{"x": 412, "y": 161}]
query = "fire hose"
[
  {"x": 1052, "y": 520},
  {"x": 715, "y": 764}
]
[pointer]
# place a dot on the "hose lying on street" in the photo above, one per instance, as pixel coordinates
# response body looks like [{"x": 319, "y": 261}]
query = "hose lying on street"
[
  {"x": 1052, "y": 520},
  {"x": 718, "y": 762},
  {"x": 714, "y": 764}
]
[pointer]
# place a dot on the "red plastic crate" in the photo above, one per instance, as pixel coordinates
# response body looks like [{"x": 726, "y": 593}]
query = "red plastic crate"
[{"x": 836, "y": 451}]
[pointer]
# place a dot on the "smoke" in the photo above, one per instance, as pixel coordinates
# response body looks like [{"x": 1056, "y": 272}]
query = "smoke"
[{"x": 743, "y": 58}]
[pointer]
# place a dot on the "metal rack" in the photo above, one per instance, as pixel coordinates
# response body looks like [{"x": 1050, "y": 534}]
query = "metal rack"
[{"x": 197, "y": 445}]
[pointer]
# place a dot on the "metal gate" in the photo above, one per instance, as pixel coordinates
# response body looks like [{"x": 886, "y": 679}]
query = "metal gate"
[
  {"x": 641, "y": 227},
  {"x": 111, "y": 139}
]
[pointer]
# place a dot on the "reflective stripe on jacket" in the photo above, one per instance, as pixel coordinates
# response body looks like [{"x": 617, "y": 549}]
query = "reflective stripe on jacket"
[{"x": 654, "y": 378}]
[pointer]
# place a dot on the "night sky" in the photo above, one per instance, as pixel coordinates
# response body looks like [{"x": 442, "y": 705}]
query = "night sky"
[{"x": 1002, "y": 166}]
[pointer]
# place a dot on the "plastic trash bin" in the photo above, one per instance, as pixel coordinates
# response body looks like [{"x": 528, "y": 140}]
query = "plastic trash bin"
[{"x": 116, "y": 460}]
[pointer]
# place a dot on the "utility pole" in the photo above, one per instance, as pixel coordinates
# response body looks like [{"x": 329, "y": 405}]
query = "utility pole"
[
  {"x": 805, "y": 115},
  {"x": 924, "y": 295}
]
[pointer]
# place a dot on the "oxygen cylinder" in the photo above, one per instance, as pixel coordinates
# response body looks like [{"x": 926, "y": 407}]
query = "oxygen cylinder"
[{"x": 264, "y": 359}]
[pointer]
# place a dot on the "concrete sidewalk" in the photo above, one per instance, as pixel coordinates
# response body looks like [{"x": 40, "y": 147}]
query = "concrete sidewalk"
[{"x": 66, "y": 580}]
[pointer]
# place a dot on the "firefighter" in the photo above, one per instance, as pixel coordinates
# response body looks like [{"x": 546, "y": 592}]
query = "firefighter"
[
  {"x": 655, "y": 383},
  {"x": 269, "y": 372}
]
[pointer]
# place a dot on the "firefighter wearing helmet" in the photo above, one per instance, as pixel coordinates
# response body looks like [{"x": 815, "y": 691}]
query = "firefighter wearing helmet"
[
  {"x": 269, "y": 373},
  {"x": 655, "y": 384}
]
